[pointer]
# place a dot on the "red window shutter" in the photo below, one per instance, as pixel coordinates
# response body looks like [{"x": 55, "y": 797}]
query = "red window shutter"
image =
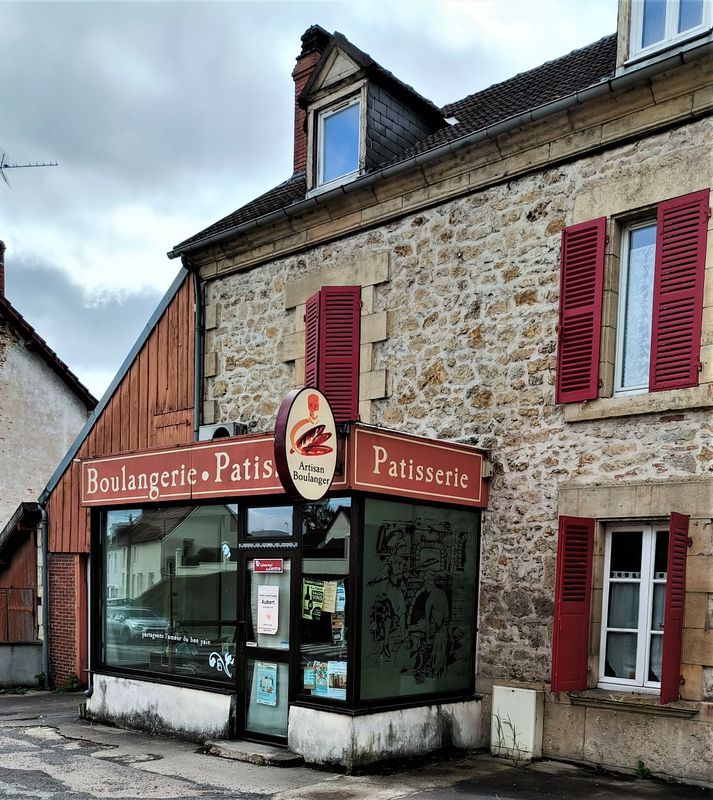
[
  {"x": 673, "y": 608},
  {"x": 678, "y": 291},
  {"x": 311, "y": 340},
  {"x": 573, "y": 582},
  {"x": 580, "y": 312},
  {"x": 338, "y": 371}
]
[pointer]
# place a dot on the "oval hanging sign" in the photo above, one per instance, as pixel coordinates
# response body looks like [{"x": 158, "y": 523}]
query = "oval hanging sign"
[{"x": 306, "y": 444}]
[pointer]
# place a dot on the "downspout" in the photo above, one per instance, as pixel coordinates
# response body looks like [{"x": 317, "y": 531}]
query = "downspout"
[
  {"x": 45, "y": 600},
  {"x": 197, "y": 344}
]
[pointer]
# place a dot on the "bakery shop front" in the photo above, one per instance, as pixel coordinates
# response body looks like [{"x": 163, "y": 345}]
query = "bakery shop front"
[{"x": 314, "y": 587}]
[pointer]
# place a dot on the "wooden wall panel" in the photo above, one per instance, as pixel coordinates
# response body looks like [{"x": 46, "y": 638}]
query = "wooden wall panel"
[{"x": 160, "y": 380}]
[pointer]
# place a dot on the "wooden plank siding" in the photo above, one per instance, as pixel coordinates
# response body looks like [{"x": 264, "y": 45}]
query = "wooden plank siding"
[{"x": 160, "y": 380}]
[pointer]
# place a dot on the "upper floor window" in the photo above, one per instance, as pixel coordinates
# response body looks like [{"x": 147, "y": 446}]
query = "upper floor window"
[
  {"x": 658, "y": 23},
  {"x": 339, "y": 141},
  {"x": 636, "y": 291},
  {"x": 659, "y": 321}
]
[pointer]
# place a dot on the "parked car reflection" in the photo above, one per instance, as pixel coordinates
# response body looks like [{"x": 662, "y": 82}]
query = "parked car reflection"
[{"x": 134, "y": 624}]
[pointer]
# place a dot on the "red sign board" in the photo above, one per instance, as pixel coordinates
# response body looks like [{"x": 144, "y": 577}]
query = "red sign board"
[
  {"x": 380, "y": 461},
  {"x": 400, "y": 465},
  {"x": 267, "y": 565}
]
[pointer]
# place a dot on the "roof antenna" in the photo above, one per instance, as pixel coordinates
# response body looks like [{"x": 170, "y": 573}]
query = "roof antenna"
[{"x": 5, "y": 165}]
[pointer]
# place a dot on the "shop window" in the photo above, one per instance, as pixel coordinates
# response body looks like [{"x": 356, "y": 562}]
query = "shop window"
[
  {"x": 661, "y": 302},
  {"x": 184, "y": 623},
  {"x": 632, "y": 614},
  {"x": 271, "y": 522},
  {"x": 418, "y": 606},
  {"x": 326, "y": 533},
  {"x": 657, "y": 24},
  {"x": 332, "y": 318},
  {"x": 642, "y": 610},
  {"x": 339, "y": 142}
]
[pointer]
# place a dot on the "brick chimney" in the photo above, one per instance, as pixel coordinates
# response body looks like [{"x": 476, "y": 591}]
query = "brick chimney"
[
  {"x": 2, "y": 269},
  {"x": 314, "y": 42}
]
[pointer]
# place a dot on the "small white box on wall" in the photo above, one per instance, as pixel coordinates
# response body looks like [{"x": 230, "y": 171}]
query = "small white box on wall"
[{"x": 516, "y": 723}]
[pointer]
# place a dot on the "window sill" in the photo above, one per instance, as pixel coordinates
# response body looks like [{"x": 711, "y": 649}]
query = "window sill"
[
  {"x": 633, "y": 703},
  {"x": 649, "y": 403}
]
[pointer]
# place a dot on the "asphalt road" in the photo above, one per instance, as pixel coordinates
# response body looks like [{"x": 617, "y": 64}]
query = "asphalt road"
[{"x": 47, "y": 753}]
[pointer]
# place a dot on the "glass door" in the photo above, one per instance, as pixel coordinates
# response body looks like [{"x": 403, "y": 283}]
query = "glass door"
[{"x": 267, "y": 568}]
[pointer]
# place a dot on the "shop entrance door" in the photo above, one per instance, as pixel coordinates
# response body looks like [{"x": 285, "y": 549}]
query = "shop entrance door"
[{"x": 266, "y": 648}]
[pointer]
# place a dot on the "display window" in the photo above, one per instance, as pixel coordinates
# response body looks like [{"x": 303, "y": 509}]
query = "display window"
[
  {"x": 326, "y": 540},
  {"x": 170, "y": 578},
  {"x": 418, "y": 600}
]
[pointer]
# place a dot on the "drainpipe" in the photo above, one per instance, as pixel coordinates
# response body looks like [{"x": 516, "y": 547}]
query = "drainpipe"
[
  {"x": 197, "y": 344},
  {"x": 45, "y": 600}
]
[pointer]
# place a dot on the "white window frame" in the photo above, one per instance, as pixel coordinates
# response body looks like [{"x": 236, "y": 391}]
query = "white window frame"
[
  {"x": 323, "y": 115},
  {"x": 671, "y": 35},
  {"x": 619, "y": 389},
  {"x": 646, "y": 583}
]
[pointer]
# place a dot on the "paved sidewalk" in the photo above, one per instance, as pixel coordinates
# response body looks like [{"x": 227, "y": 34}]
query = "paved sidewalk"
[{"x": 47, "y": 752}]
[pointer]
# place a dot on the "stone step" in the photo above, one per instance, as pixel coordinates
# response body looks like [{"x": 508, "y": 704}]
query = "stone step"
[{"x": 264, "y": 755}]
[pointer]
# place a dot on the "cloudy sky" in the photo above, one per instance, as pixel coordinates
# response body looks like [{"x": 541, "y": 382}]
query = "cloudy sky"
[{"x": 165, "y": 116}]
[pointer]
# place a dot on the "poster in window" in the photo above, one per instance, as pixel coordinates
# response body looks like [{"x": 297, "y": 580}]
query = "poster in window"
[
  {"x": 308, "y": 678},
  {"x": 320, "y": 679},
  {"x": 268, "y": 609},
  {"x": 312, "y": 596},
  {"x": 341, "y": 599},
  {"x": 266, "y": 684},
  {"x": 329, "y": 597},
  {"x": 337, "y": 680}
]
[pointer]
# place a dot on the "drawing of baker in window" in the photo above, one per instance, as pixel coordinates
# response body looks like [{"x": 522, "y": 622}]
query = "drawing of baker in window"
[
  {"x": 438, "y": 626},
  {"x": 389, "y": 609}
]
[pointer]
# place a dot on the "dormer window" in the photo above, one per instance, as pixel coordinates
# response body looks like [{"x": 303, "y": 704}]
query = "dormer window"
[
  {"x": 658, "y": 24},
  {"x": 339, "y": 141}
]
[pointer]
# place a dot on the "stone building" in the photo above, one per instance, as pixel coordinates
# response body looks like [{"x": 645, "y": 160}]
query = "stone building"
[
  {"x": 526, "y": 273},
  {"x": 42, "y": 407}
]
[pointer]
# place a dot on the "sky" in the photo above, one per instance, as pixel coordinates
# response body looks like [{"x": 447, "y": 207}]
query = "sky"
[{"x": 164, "y": 117}]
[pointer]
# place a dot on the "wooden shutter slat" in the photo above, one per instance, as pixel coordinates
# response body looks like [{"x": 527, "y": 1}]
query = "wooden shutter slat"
[
  {"x": 573, "y": 581},
  {"x": 681, "y": 229},
  {"x": 673, "y": 608},
  {"x": 580, "y": 311},
  {"x": 311, "y": 340},
  {"x": 338, "y": 369}
]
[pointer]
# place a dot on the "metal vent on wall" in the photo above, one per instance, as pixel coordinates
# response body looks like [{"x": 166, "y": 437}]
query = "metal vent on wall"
[{"x": 222, "y": 430}]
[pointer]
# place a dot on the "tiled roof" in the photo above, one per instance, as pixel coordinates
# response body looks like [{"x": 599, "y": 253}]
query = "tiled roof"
[
  {"x": 34, "y": 341},
  {"x": 551, "y": 81}
]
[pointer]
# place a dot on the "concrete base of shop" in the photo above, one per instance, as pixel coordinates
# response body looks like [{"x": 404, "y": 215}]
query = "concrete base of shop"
[
  {"x": 157, "y": 708},
  {"x": 322, "y": 737}
]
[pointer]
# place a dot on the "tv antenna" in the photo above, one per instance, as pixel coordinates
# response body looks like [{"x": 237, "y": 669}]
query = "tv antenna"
[{"x": 5, "y": 165}]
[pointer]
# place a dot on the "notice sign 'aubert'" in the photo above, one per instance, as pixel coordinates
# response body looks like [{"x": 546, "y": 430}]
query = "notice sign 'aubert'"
[{"x": 306, "y": 444}]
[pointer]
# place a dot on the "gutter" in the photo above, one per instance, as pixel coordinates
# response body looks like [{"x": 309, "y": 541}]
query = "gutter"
[
  {"x": 197, "y": 343},
  {"x": 604, "y": 87},
  {"x": 45, "y": 600}
]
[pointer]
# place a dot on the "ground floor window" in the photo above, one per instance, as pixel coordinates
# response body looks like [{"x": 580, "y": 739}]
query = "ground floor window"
[
  {"x": 418, "y": 600},
  {"x": 170, "y": 590},
  {"x": 633, "y": 605}
]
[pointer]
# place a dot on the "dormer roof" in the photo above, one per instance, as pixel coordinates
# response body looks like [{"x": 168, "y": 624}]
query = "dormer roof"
[{"x": 342, "y": 61}]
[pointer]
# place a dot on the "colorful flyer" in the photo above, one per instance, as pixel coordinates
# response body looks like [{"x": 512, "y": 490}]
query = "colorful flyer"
[
  {"x": 308, "y": 679},
  {"x": 337, "y": 628},
  {"x": 268, "y": 608},
  {"x": 266, "y": 683},
  {"x": 341, "y": 601},
  {"x": 329, "y": 597},
  {"x": 337, "y": 680},
  {"x": 320, "y": 679},
  {"x": 312, "y": 594}
]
